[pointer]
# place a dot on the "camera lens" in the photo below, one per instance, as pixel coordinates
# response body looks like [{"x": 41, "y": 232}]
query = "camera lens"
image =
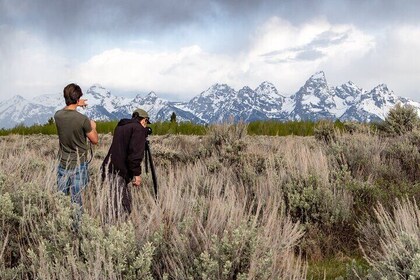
[{"x": 149, "y": 130}]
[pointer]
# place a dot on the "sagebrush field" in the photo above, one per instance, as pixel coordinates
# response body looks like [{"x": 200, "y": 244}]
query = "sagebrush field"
[{"x": 230, "y": 206}]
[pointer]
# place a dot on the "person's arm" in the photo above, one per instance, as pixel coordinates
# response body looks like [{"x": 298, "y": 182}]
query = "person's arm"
[
  {"x": 136, "y": 153},
  {"x": 93, "y": 134}
]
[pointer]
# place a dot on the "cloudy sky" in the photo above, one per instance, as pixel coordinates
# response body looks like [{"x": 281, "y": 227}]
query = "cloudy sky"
[{"x": 178, "y": 48}]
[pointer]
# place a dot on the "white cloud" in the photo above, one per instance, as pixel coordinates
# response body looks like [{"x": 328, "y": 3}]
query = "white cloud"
[
  {"x": 185, "y": 71},
  {"x": 190, "y": 70},
  {"x": 28, "y": 66},
  {"x": 287, "y": 55},
  {"x": 279, "y": 52},
  {"x": 394, "y": 60}
]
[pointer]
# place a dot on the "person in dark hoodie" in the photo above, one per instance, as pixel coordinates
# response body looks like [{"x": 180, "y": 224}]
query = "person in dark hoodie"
[{"x": 122, "y": 164}]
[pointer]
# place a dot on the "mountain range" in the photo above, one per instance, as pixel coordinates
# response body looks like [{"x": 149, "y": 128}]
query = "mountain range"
[{"x": 315, "y": 100}]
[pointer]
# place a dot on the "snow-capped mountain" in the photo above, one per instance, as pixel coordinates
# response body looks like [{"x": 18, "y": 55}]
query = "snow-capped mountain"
[
  {"x": 18, "y": 110},
  {"x": 315, "y": 100},
  {"x": 208, "y": 105},
  {"x": 221, "y": 103},
  {"x": 374, "y": 105}
]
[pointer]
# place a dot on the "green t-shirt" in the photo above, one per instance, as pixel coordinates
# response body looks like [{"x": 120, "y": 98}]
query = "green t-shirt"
[{"x": 72, "y": 128}]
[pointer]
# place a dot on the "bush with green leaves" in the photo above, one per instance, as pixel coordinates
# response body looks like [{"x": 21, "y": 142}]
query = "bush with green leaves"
[
  {"x": 356, "y": 127},
  {"x": 42, "y": 239},
  {"x": 404, "y": 157},
  {"x": 227, "y": 138},
  {"x": 279, "y": 128},
  {"x": 312, "y": 202},
  {"x": 395, "y": 251},
  {"x": 401, "y": 119},
  {"x": 325, "y": 131},
  {"x": 359, "y": 153}
]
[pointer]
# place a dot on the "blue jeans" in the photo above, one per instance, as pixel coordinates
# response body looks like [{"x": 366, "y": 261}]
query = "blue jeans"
[{"x": 73, "y": 181}]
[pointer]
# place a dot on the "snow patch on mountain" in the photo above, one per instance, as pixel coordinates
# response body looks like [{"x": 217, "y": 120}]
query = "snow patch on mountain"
[{"x": 315, "y": 100}]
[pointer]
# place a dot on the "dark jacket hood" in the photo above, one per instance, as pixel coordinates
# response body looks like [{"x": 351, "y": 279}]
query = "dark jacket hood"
[{"x": 126, "y": 121}]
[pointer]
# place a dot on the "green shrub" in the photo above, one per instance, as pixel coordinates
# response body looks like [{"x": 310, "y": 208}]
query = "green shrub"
[
  {"x": 106, "y": 127},
  {"x": 227, "y": 257},
  {"x": 396, "y": 254},
  {"x": 401, "y": 119},
  {"x": 46, "y": 129},
  {"x": 325, "y": 131},
  {"x": 356, "y": 127},
  {"x": 184, "y": 128},
  {"x": 356, "y": 269},
  {"x": 227, "y": 138},
  {"x": 44, "y": 241},
  {"x": 311, "y": 202},
  {"x": 360, "y": 153},
  {"x": 278, "y": 128},
  {"x": 405, "y": 158}
]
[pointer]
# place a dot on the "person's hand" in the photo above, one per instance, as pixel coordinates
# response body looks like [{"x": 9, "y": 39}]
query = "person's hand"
[
  {"x": 82, "y": 103},
  {"x": 93, "y": 124},
  {"x": 136, "y": 181}
]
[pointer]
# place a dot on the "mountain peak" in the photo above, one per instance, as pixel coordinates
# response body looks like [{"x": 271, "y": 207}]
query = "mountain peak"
[
  {"x": 98, "y": 91},
  {"x": 247, "y": 88},
  {"x": 151, "y": 94},
  {"x": 267, "y": 89},
  {"x": 218, "y": 86},
  {"x": 96, "y": 87},
  {"x": 138, "y": 97},
  {"x": 265, "y": 86},
  {"x": 18, "y": 98},
  {"x": 318, "y": 76},
  {"x": 381, "y": 87},
  {"x": 151, "y": 97},
  {"x": 317, "y": 80},
  {"x": 220, "y": 90}
]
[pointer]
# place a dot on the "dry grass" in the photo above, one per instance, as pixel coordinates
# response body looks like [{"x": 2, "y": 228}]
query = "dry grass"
[
  {"x": 395, "y": 252},
  {"x": 230, "y": 206},
  {"x": 215, "y": 224}
]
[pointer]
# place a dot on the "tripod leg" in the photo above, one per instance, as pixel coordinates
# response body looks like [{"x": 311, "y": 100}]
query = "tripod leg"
[
  {"x": 146, "y": 157},
  {"x": 149, "y": 161}
]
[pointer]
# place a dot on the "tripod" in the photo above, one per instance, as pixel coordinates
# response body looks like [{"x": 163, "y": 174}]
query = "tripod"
[{"x": 148, "y": 161}]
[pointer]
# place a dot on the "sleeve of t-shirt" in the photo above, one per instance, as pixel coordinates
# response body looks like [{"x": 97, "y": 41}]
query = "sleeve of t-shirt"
[{"x": 86, "y": 126}]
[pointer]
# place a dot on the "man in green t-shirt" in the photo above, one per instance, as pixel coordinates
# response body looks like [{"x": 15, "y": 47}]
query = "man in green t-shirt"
[{"x": 73, "y": 128}]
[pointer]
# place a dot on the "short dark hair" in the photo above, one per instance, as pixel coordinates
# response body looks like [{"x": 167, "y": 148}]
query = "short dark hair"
[{"x": 72, "y": 93}]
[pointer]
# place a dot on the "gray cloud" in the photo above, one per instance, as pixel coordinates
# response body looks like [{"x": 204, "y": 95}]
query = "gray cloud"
[
  {"x": 327, "y": 39},
  {"x": 86, "y": 25},
  {"x": 299, "y": 55},
  {"x": 309, "y": 55},
  {"x": 69, "y": 18},
  {"x": 308, "y": 52}
]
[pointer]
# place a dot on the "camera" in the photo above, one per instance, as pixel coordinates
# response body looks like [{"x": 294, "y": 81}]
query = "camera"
[{"x": 149, "y": 130}]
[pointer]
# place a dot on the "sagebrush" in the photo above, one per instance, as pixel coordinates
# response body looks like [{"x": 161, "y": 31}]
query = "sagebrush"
[{"x": 230, "y": 206}]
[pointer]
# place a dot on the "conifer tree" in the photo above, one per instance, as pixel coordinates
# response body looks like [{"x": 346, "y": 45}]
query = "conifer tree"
[{"x": 173, "y": 117}]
